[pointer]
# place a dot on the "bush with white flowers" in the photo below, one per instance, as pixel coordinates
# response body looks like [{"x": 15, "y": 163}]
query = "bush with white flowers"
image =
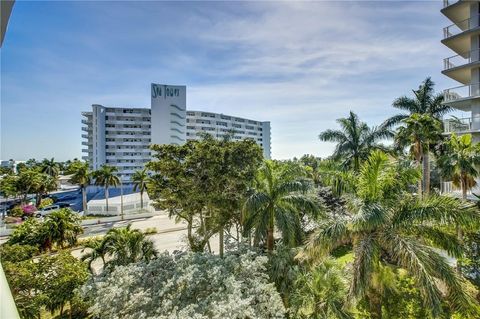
[{"x": 187, "y": 285}]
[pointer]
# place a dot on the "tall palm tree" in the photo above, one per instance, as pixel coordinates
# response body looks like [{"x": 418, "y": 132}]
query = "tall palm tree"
[
  {"x": 81, "y": 175},
  {"x": 278, "y": 199},
  {"x": 354, "y": 140},
  {"x": 390, "y": 228},
  {"x": 50, "y": 167},
  {"x": 125, "y": 245},
  {"x": 106, "y": 177},
  {"x": 425, "y": 101},
  {"x": 140, "y": 180},
  {"x": 418, "y": 131}
]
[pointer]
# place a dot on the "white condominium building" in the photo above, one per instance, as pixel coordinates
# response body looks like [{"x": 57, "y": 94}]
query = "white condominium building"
[
  {"x": 121, "y": 137},
  {"x": 463, "y": 37}
]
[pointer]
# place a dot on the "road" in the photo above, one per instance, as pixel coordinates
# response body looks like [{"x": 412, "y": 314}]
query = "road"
[{"x": 170, "y": 236}]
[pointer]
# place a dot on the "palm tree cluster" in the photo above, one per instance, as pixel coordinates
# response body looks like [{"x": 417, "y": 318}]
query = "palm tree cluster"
[
  {"x": 106, "y": 176},
  {"x": 119, "y": 247}
]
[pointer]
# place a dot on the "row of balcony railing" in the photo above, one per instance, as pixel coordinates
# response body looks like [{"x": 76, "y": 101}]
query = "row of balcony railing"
[
  {"x": 461, "y": 59},
  {"x": 462, "y": 92},
  {"x": 457, "y": 125},
  {"x": 459, "y": 27}
]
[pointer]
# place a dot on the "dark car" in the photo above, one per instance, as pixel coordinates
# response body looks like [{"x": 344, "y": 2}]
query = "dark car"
[{"x": 63, "y": 205}]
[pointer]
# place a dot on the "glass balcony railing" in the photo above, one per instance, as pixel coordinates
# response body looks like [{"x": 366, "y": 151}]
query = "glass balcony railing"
[
  {"x": 458, "y": 28},
  {"x": 461, "y": 59},
  {"x": 462, "y": 92},
  {"x": 457, "y": 125},
  {"x": 447, "y": 3}
]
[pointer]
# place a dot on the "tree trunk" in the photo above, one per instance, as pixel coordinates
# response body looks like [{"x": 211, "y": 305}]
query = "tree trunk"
[
  {"x": 375, "y": 306},
  {"x": 71, "y": 309},
  {"x": 221, "y": 242},
  {"x": 141, "y": 199},
  {"x": 106, "y": 197},
  {"x": 426, "y": 172},
  {"x": 61, "y": 310},
  {"x": 84, "y": 199},
  {"x": 270, "y": 239},
  {"x": 420, "y": 182}
]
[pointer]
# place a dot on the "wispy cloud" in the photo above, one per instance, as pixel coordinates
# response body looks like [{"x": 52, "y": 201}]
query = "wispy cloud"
[{"x": 300, "y": 65}]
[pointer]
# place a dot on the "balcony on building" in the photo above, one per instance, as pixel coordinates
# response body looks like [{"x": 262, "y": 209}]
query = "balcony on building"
[
  {"x": 458, "y": 36},
  {"x": 458, "y": 126},
  {"x": 459, "y": 67},
  {"x": 456, "y": 10},
  {"x": 462, "y": 97}
]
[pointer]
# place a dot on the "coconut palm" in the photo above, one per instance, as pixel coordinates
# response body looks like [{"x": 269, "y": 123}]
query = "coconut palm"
[
  {"x": 50, "y": 167},
  {"x": 390, "y": 228},
  {"x": 97, "y": 249},
  {"x": 140, "y": 180},
  {"x": 125, "y": 245},
  {"x": 106, "y": 177},
  {"x": 425, "y": 101},
  {"x": 354, "y": 140},
  {"x": 81, "y": 175},
  {"x": 418, "y": 131},
  {"x": 278, "y": 199}
]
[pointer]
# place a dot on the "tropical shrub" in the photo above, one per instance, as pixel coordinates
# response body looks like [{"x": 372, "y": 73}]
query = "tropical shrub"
[
  {"x": 17, "y": 253},
  {"x": 49, "y": 282},
  {"x": 45, "y": 202},
  {"x": 16, "y": 211},
  {"x": 188, "y": 285},
  {"x": 61, "y": 227}
]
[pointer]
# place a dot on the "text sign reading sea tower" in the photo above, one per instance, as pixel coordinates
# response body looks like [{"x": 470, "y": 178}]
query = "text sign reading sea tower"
[{"x": 169, "y": 105}]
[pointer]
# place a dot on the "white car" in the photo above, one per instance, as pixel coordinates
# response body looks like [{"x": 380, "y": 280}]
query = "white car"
[{"x": 46, "y": 210}]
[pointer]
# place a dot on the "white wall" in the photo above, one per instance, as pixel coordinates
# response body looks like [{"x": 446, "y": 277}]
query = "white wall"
[{"x": 169, "y": 104}]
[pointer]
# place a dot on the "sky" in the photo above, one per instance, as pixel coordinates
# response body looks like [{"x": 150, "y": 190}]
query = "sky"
[{"x": 299, "y": 65}]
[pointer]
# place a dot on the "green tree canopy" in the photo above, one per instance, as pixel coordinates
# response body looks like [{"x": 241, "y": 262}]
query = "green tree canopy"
[
  {"x": 354, "y": 140},
  {"x": 389, "y": 227}
]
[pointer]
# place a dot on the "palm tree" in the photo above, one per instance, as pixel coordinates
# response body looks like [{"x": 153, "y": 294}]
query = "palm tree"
[
  {"x": 106, "y": 177},
  {"x": 460, "y": 162},
  {"x": 354, "y": 140},
  {"x": 44, "y": 184},
  {"x": 50, "y": 167},
  {"x": 81, "y": 175},
  {"x": 321, "y": 292},
  {"x": 97, "y": 249},
  {"x": 389, "y": 227},
  {"x": 424, "y": 102},
  {"x": 140, "y": 180},
  {"x": 277, "y": 200},
  {"x": 418, "y": 131},
  {"x": 63, "y": 226},
  {"x": 125, "y": 245}
]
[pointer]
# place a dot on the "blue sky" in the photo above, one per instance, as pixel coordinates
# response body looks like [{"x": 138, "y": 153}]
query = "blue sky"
[{"x": 300, "y": 65}]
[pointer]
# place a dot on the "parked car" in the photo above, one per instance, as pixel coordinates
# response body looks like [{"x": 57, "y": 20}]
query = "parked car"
[
  {"x": 63, "y": 205},
  {"x": 46, "y": 210}
]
